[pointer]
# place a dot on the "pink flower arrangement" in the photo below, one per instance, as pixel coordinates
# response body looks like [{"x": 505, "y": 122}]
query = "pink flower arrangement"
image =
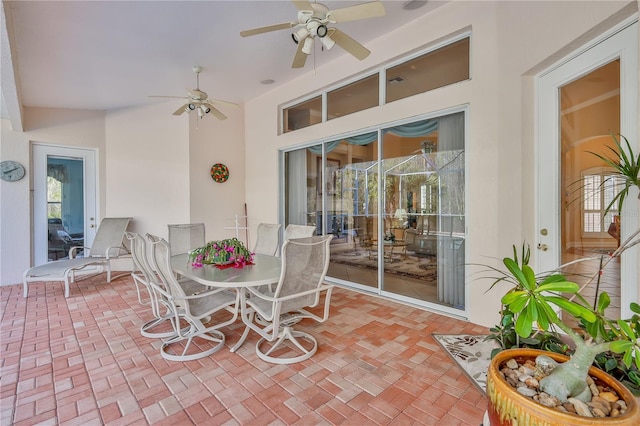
[{"x": 225, "y": 252}]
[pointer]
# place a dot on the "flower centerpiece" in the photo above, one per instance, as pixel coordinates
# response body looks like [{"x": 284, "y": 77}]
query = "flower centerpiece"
[{"x": 224, "y": 252}]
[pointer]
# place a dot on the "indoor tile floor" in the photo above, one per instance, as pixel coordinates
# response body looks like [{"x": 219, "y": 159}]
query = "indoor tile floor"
[{"x": 83, "y": 361}]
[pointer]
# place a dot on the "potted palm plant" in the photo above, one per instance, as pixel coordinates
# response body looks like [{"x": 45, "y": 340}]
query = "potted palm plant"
[{"x": 532, "y": 302}]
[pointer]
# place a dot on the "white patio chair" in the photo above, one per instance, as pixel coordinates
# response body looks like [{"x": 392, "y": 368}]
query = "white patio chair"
[
  {"x": 298, "y": 231},
  {"x": 107, "y": 245},
  {"x": 268, "y": 239},
  {"x": 143, "y": 274},
  {"x": 185, "y": 237},
  {"x": 304, "y": 265},
  {"x": 191, "y": 309}
]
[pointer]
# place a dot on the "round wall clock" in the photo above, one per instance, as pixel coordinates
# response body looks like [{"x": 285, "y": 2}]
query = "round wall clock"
[
  {"x": 11, "y": 171},
  {"x": 219, "y": 172}
]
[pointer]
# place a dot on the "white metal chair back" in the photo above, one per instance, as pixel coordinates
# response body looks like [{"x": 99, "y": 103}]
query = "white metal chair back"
[
  {"x": 292, "y": 231},
  {"x": 268, "y": 239},
  {"x": 185, "y": 237},
  {"x": 109, "y": 237},
  {"x": 273, "y": 314},
  {"x": 304, "y": 266},
  {"x": 144, "y": 276},
  {"x": 138, "y": 273}
]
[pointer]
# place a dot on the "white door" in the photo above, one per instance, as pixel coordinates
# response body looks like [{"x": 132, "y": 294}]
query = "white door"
[
  {"x": 580, "y": 102},
  {"x": 72, "y": 207}
]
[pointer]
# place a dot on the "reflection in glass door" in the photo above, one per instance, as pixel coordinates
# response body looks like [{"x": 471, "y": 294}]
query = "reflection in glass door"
[
  {"x": 398, "y": 222},
  {"x": 589, "y": 112},
  {"x": 423, "y": 225},
  {"x": 65, "y": 205},
  {"x": 580, "y": 103}
]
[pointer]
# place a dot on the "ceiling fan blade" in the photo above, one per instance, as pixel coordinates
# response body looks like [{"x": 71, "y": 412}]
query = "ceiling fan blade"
[
  {"x": 360, "y": 11},
  {"x": 172, "y": 97},
  {"x": 180, "y": 110},
  {"x": 302, "y": 5},
  {"x": 216, "y": 112},
  {"x": 300, "y": 58},
  {"x": 276, "y": 27},
  {"x": 349, "y": 44},
  {"x": 218, "y": 101}
]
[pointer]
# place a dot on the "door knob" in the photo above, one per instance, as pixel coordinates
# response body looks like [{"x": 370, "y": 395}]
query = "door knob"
[{"x": 543, "y": 247}]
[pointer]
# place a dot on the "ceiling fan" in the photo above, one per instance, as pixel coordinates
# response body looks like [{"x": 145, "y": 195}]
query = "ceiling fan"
[
  {"x": 197, "y": 100},
  {"x": 313, "y": 20}
]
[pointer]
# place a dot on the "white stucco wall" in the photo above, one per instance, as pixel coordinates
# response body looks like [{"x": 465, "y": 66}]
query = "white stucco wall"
[
  {"x": 147, "y": 161},
  {"x": 508, "y": 40},
  {"x": 218, "y": 141}
]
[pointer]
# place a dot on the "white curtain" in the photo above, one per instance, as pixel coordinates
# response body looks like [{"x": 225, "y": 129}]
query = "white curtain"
[
  {"x": 451, "y": 132},
  {"x": 451, "y": 256},
  {"x": 297, "y": 187}
]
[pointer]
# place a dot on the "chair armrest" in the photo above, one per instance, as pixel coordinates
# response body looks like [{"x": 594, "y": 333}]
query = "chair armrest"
[
  {"x": 118, "y": 252},
  {"x": 74, "y": 249}
]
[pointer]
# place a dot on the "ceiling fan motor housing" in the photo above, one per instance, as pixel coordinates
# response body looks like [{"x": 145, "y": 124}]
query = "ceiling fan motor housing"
[{"x": 197, "y": 95}]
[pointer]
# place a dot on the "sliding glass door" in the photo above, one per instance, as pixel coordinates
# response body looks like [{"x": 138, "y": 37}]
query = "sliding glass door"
[{"x": 395, "y": 208}]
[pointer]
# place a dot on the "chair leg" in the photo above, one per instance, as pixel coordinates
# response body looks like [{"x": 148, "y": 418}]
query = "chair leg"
[
  {"x": 146, "y": 330},
  {"x": 288, "y": 333},
  {"x": 188, "y": 334}
]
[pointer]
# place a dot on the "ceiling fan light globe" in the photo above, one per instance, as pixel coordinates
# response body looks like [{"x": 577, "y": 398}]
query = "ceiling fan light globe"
[
  {"x": 191, "y": 107},
  {"x": 322, "y": 30},
  {"x": 327, "y": 42},
  {"x": 300, "y": 35},
  {"x": 308, "y": 45}
]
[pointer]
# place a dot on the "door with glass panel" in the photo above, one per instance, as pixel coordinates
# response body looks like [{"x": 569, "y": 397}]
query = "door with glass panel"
[
  {"x": 64, "y": 200},
  {"x": 581, "y": 104}
]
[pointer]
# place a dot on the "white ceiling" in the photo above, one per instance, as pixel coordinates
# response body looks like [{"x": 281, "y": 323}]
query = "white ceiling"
[{"x": 103, "y": 55}]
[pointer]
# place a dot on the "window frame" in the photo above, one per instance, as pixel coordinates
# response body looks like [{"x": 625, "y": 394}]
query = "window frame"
[{"x": 381, "y": 70}]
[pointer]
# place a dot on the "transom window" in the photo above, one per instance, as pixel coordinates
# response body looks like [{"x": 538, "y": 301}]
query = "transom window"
[{"x": 438, "y": 67}]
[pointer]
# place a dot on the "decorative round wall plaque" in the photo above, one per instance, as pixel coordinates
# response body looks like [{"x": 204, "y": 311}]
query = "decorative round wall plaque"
[{"x": 219, "y": 172}]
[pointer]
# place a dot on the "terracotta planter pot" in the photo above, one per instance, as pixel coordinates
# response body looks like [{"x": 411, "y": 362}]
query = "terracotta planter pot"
[{"x": 508, "y": 407}]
